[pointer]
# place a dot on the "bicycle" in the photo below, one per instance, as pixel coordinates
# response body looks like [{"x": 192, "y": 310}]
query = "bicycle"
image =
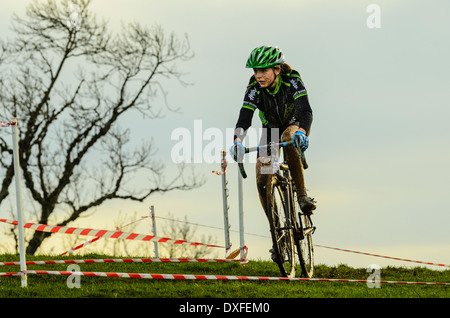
[{"x": 291, "y": 229}]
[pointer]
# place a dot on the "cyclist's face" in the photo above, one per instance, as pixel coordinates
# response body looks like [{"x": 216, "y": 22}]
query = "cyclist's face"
[{"x": 266, "y": 76}]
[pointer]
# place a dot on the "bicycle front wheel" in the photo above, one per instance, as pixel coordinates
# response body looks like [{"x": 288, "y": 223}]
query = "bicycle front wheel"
[{"x": 280, "y": 228}]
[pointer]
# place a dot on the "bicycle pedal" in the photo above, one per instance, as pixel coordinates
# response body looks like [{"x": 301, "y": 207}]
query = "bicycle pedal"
[{"x": 309, "y": 230}]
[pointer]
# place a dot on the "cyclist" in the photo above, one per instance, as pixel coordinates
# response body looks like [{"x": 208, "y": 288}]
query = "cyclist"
[{"x": 277, "y": 91}]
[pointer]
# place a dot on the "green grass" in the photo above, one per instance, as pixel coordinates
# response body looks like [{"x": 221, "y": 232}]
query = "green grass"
[{"x": 55, "y": 286}]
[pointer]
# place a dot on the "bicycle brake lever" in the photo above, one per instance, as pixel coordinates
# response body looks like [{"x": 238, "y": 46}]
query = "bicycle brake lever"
[{"x": 242, "y": 170}]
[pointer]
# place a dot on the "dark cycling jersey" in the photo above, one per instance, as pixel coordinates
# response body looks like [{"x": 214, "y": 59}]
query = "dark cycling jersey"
[{"x": 287, "y": 104}]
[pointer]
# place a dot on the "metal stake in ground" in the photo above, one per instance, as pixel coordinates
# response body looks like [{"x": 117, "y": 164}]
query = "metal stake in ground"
[
  {"x": 241, "y": 216},
  {"x": 225, "y": 202},
  {"x": 23, "y": 266},
  {"x": 152, "y": 211}
]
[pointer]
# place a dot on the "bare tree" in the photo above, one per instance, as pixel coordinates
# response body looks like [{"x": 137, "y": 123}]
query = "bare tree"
[{"x": 70, "y": 86}]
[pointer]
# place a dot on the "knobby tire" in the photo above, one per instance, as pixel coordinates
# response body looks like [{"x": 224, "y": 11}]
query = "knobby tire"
[
  {"x": 280, "y": 228},
  {"x": 303, "y": 241}
]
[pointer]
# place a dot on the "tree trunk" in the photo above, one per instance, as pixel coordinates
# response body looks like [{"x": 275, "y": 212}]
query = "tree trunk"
[{"x": 36, "y": 241}]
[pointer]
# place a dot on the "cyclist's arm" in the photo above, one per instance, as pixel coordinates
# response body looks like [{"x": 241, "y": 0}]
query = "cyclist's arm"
[
  {"x": 250, "y": 104},
  {"x": 303, "y": 111},
  {"x": 243, "y": 123}
]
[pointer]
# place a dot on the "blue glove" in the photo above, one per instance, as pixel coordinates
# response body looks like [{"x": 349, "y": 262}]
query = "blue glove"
[
  {"x": 237, "y": 152},
  {"x": 300, "y": 140}
]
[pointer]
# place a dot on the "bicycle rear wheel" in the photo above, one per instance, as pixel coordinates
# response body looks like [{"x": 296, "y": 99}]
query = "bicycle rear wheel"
[
  {"x": 303, "y": 240},
  {"x": 280, "y": 228}
]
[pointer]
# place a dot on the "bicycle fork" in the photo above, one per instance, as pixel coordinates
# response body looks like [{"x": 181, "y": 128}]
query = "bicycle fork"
[{"x": 290, "y": 221}]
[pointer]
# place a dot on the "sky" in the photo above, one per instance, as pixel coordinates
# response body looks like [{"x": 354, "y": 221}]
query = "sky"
[{"x": 379, "y": 142}]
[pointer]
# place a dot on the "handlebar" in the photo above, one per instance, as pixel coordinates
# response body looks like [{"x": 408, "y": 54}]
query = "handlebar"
[{"x": 271, "y": 144}]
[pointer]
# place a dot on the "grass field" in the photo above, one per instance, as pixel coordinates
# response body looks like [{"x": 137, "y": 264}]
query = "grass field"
[{"x": 55, "y": 286}]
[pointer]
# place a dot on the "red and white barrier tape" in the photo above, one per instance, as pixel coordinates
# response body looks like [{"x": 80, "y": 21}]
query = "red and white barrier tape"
[
  {"x": 105, "y": 233},
  {"x": 213, "y": 277},
  {"x": 389, "y": 257},
  {"x": 125, "y": 260},
  {"x": 207, "y": 226},
  {"x": 10, "y": 274},
  {"x": 73, "y": 249},
  {"x": 11, "y": 123}
]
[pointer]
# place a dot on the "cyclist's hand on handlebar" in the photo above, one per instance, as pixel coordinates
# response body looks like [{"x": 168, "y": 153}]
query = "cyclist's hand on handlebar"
[
  {"x": 300, "y": 140},
  {"x": 237, "y": 151}
]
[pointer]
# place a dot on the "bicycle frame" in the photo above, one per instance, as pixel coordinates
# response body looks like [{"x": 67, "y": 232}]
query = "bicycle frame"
[{"x": 271, "y": 145}]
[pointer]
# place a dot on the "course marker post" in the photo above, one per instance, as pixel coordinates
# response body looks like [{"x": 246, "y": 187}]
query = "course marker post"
[
  {"x": 152, "y": 212},
  {"x": 241, "y": 217},
  {"x": 225, "y": 202},
  {"x": 23, "y": 266},
  {"x": 223, "y": 166}
]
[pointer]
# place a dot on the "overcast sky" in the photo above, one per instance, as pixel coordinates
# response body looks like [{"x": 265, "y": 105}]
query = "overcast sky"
[{"x": 379, "y": 143}]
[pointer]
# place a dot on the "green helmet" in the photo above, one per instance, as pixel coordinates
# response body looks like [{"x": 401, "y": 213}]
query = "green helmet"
[{"x": 265, "y": 56}]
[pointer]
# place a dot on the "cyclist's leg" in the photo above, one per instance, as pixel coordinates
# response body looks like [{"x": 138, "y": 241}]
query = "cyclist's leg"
[
  {"x": 263, "y": 177},
  {"x": 261, "y": 180},
  {"x": 296, "y": 168},
  {"x": 263, "y": 165}
]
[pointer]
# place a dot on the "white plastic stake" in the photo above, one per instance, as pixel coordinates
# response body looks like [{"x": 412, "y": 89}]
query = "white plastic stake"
[
  {"x": 23, "y": 266},
  {"x": 152, "y": 210},
  {"x": 225, "y": 212},
  {"x": 241, "y": 215},
  {"x": 225, "y": 203}
]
